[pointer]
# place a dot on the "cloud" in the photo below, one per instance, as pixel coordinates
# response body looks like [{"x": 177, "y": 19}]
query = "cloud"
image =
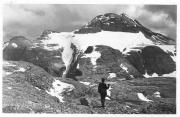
[
  {"x": 30, "y": 20},
  {"x": 159, "y": 21},
  {"x": 171, "y": 10}
]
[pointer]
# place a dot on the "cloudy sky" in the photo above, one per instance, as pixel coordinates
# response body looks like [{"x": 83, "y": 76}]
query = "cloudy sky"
[{"x": 31, "y": 20}]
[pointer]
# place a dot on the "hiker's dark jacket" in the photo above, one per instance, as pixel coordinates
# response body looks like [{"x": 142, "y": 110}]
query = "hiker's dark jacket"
[{"x": 102, "y": 88}]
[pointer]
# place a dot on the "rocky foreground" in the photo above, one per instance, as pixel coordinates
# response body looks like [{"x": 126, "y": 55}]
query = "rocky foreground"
[{"x": 30, "y": 89}]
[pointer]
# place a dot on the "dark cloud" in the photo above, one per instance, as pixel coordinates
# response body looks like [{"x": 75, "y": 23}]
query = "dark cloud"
[
  {"x": 160, "y": 19},
  {"x": 171, "y": 10}
]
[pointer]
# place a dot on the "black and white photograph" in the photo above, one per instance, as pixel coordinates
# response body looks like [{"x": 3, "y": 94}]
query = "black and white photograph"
[{"x": 89, "y": 58}]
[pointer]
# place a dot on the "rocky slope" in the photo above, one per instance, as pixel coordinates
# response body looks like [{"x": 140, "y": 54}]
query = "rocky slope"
[{"x": 30, "y": 89}]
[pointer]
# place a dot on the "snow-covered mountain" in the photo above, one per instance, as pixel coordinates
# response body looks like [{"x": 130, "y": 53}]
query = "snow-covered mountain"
[
  {"x": 122, "y": 23},
  {"x": 121, "y": 46}
]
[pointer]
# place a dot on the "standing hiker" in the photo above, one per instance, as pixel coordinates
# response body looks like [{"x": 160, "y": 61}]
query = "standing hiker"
[{"x": 102, "y": 89}]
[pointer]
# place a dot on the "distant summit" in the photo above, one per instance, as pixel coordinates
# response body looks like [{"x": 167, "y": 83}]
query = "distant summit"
[{"x": 122, "y": 23}]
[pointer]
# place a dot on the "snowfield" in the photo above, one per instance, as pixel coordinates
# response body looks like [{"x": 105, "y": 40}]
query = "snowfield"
[
  {"x": 173, "y": 74},
  {"x": 14, "y": 45},
  {"x": 58, "y": 88},
  {"x": 111, "y": 75},
  {"x": 109, "y": 93},
  {"x": 143, "y": 98},
  {"x": 116, "y": 40}
]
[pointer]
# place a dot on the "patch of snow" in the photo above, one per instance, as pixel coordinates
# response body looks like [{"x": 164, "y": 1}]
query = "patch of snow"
[
  {"x": 6, "y": 63},
  {"x": 174, "y": 58},
  {"x": 57, "y": 56},
  {"x": 5, "y": 45},
  {"x": 126, "y": 51},
  {"x": 9, "y": 88},
  {"x": 93, "y": 56},
  {"x": 14, "y": 45},
  {"x": 77, "y": 66},
  {"x": 51, "y": 48},
  {"x": 172, "y": 74},
  {"x": 157, "y": 94},
  {"x": 111, "y": 75},
  {"x": 38, "y": 88},
  {"x": 107, "y": 24},
  {"x": 143, "y": 98},
  {"x": 7, "y": 73},
  {"x": 124, "y": 68},
  {"x": 122, "y": 79},
  {"x": 47, "y": 106},
  {"x": 35, "y": 45},
  {"x": 88, "y": 83},
  {"x": 169, "y": 48},
  {"x": 149, "y": 76},
  {"x": 21, "y": 69},
  {"x": 127, "y": 106},
  {"x": 131, "y": 76},
  {"x": 58, "y": 88},
  {"x": 109, "y": 93},
  {"x": 85, "y": 83},
  {"x": 146, "y": 75}
]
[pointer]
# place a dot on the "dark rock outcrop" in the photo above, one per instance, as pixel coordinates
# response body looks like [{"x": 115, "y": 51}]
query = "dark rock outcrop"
[
  {"x": 151, "y": 59},
  {"x": 34, "y": 52},
  {"x": 157, "y": 61},
  {"x": 15, "y": 48}
]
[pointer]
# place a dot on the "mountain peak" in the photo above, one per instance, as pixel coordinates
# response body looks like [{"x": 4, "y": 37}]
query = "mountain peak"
[
  {"x": 122, "y": 23},
  {"x": 110, "y": 22}
]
